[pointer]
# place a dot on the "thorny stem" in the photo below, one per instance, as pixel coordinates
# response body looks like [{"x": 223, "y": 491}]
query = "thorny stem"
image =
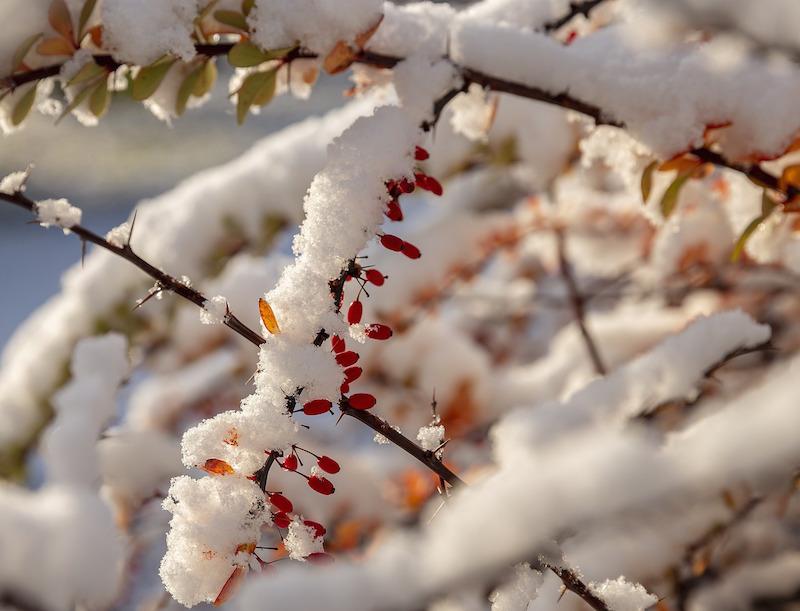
[
  {"x": 575, "y": 584},
  {"x": 578, "y": 303}
]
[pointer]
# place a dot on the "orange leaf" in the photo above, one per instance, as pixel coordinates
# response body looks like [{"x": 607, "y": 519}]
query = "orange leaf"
[
  {"x": 60, "y": 19},
  {"x": 790, "y": 177},
  {"x": 246, "y": 547},
  {"x": 215, "y": 466},
  {"x": 683, "y": 164},
  {"x": 268, "y": 317},
  {"x": 230, "y": 587},
  {"x": 96, "y": 34},
  {"x": 363, "y": 38},
  {"x": 54, "y": 46},
  {"x": 339, "y": 58}
]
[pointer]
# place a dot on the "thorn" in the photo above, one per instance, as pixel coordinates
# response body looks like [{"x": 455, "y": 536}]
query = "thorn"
[
  {"x": 441, "y": 446},
  {"x": 83, "y": 251},
  {"x": 434, "y": 404},
  {"x": 563, "y": 590},
  {"x": 340, "y": 418},
  {"x": 133, "y": 224},
  {"x": 157, "y": 288}
]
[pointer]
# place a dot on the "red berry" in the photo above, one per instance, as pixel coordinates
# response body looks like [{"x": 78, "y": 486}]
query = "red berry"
[
  {"x": 281, "y": 520},
  {"x": 392, "y": 242},
  {"x": 361, "y": 401},
  {"x": 406, "y": 186},
  {"x": 319, "y": 529},
  {"x": 351, "y": 374},
  {"x": 393, "y": 211},
  {"x": 410, "y": 251},
  {"x": 321, "y": 484},
  {"x": 290, "y": 462},
  {"x": 337, "y": 344},
  {"x": 281, "y": 502},
  {"x": 378, "y": 331},
  {"x": 374, "y": 276},
  {"x": 344, "y": 388},
  {"x": 320, "y": 558},
  {"x": 327, "y": 464},
  {"x": 346, "y": 359},
  {"x": 428, "y": 183},
  {"x": 420, "y": 154},
  {"x": 354, "y": 312},
  {"x": 316, "y": 407},
  {"x": 391, "y": 185}
]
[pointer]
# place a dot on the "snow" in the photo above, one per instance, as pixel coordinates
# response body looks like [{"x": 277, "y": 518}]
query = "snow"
[
  {"x": 316, "y": 24},
  {"x": 517, "y": 593},
  {"x": 119, "y": 235},
  {"x": 621, "y": 595},
  {"x": 14, "y": 183},
  {"x": 58, "y": 212},
  {"x": 140, "y": 32},
  {"x": 214, "y": 311},
  {"x": 431, "y": 437},
  {"x": 301, "y": 541},
  {"x": 472, "y": 113}
]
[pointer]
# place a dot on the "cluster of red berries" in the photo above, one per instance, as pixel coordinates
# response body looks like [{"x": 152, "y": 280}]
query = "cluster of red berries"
[{"x": 317, "y": 483}]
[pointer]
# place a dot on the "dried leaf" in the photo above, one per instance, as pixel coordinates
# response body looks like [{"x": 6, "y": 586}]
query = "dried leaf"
[
  {"x": 339, "y": 59},
  {"x": 23, "y": 106},
  {"x": 363, "y": 38},
  {"x": 230, "y": 587},
  {"x": 215, "y": 466},
  {"x": 670, "y": 198},
  {"x": 23, "y": 50},
  {"x": 55, "y": 46},
  {"x": 683, "y": 164},
  {"x": 647, "y": 180},
  {"x": 96, "y": 34},
  {"x": 232, "y": 19},
  {"x": 268, "y": 317},
  {"x": 149, "y": 79},
  {"x": 86, "y": 14},
  {"x": 790, "y": 177},
  {"x": 60, "y": 19},
  {"x": 100, "y": 99}
]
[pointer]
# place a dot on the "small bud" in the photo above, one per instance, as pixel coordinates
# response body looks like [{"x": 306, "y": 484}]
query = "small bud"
[
  {"x": 392, "y": 242},
  {"x": 316, "y": 407},
  {"x": 337, "y": 344},
  {"x": 290, "y": 463},
  {"x": 410, "y": 251},
  {"x": 321, "y": 485},
  {"x": 327, "y": 464},
  {"x": 319, "y": 529},
  {"x": 281, "y": 520},
  {"x": 420, "y": 154},
  {"x": 361, "y": 401},
  {"x": 378, "y": 331},
  {"x": 374, "y": 276},
  {"x": 281, "y": 502},
  {"x": 354, "y": 312},
  {"x": 346, "y": 359},
  {"x": 351, "y": 374},
  {"x": 393, "y": 211}
]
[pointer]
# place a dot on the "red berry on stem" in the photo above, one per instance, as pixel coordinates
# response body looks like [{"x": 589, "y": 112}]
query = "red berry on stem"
[
  {"x": 374, "y": 276},
  {"x": 320, "y": 558},
  {"x": 346, "y": 359},
  {"x": 281, "y": 502},
  {"x": 428, "y": 183},
  {"x": 393, "y": 211},
  {"x": 316, "y": 407},
  {"x": 351, "y": 374},
  {"x": 290, "y": 462},
  {"x": 337, "y": 344},
  {"x": 281, "y": 520},
  {"x": 378, "y": 331},
  {"x": 354, "y": 312},
  {"x": 392, "y": 242},
  {"x": 344, "y": 388},
  {"x": 420, "y": 154},
  {"x": 410, "y": 251},
  {"x": 321, "y": 484},
  {"x": 361, "y": 401},
  {"x": 319, "y": 529},
  {"x": 327, "y": 464},
  {"x": 406, "y": 186}
]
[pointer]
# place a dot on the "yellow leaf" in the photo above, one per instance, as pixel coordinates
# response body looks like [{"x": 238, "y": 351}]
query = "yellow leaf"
[
  {"x": 670, "y": 198},
  {"x": 268, "y": 317},
  {"x": 215, "y": 466},
  {"x": 339, "y": 59},
  {"x": 647, "y": 180},
  {"x": 683, "y": 164}
]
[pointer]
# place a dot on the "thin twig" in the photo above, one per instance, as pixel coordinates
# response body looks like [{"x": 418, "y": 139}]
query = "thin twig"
[{"x": 578, "y": 304}]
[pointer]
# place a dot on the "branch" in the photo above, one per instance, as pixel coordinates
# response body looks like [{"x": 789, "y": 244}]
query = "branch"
[
  {"x": 575, "y": 8},
  {"x": 575, "y": 584},
  {"x": 578, "y": 303}
]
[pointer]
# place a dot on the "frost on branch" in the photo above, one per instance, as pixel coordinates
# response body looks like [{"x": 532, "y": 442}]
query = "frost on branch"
[
  {"x": 621, "y": 595},
  {"x": 58, "y": 212},
  {"x": 214, "y": 311}
]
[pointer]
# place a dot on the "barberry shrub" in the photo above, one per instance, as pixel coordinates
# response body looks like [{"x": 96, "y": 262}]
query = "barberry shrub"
[{"x": 536, "y": 333}]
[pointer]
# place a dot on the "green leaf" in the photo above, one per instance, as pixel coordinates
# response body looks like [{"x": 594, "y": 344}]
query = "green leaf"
[
  {"x": 23, "y": 106},
  {"x": 670, "y": 198},
  {"x": 257, "y": 90},
  {"x": 647, "y": 180},
  {"x": 207, "y": 79},
  {"x": 86, "y": 14},
  {"x": 149, "y": 79},
  {"x": 247, "y": 6},
  {"x": 100, "y": 99},
  {"x": 767, "y": 204},
  {"x": 246, "y": 55},
  {"x": 23, "y": 49},
  {"x": 748, "y": 231},
  {"x": 76, "y": 101},
  {"x": 231, "y": 18},
  {"x": 88, "y": 72},
  {"x": 186, "y": 89}
]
